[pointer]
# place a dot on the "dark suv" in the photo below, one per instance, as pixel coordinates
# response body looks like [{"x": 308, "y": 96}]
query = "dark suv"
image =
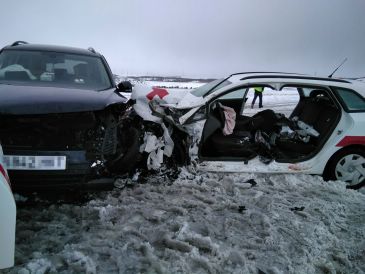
[{"x": 60, "y": 115}]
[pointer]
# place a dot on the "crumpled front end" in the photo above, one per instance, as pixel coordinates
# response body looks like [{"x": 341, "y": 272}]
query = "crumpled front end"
[
  {"x": 163, "y": 136},
  {"x": 68, "y": 148}
]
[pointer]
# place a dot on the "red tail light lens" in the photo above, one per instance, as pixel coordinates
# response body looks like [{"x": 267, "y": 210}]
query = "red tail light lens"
[{"x": 3, "y": 172}]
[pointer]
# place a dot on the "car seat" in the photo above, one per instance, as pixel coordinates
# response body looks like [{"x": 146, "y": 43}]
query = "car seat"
[
  {"x": 318, "y": 111},
  {"x": 16, "y": 76},
  {"x": 61, "y": 74}
]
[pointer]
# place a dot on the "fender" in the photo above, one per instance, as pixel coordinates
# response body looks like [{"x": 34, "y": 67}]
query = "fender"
[{"x": 351, "y": 140}]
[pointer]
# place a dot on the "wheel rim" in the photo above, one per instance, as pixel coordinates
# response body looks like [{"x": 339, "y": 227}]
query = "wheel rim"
[{"x": 351, "y": 169}]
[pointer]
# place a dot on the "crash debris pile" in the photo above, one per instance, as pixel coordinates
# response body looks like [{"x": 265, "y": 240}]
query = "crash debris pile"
[{"x": 157, "y": 147}]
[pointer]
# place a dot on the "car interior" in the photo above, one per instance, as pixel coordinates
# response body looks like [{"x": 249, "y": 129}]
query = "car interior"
[{"x": 269, "y": 134}]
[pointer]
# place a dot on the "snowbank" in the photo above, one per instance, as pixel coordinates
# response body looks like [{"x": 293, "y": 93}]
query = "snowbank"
[{"x": 200, "y": 223}]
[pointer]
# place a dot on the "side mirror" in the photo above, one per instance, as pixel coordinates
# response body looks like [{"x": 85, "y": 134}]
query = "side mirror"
[{"x": 125, "y": 86}]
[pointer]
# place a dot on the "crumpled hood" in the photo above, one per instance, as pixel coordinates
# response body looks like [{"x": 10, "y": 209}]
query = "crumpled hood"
[
  {"x": 190, "y": 101},
  {"x": 20, "y": 100},
  {"x": 143, "y": 94}
]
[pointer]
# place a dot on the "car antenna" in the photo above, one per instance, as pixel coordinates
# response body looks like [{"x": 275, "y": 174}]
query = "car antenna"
[{"x": 330, "y": 76}]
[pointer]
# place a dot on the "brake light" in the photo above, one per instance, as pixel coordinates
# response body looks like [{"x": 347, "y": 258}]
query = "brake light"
[{"x": 3, "y": 172}]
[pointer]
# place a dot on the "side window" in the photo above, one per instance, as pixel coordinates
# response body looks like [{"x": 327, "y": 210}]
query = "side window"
[
  {"x": 236, "y": 94},
  {"x": 281, "y": 101},
  {"x": 352, "y": 100}
]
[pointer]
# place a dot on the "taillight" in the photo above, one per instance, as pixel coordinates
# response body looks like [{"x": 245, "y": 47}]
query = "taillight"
[{"x": 3, "y": 172}]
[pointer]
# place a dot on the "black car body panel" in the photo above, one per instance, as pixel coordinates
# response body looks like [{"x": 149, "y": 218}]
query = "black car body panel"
[{"x": 28, "y": 99}]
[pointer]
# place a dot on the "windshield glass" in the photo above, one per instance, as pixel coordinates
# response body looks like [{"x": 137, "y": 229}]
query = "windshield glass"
[
  {"x": 45, "y": 68},
  {"x": 207, "y": 88}
]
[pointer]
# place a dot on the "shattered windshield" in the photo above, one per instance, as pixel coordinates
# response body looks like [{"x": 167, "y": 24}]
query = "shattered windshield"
[
  {"x": 45, "y": 68},
  {"x": 209, "y": 87}
]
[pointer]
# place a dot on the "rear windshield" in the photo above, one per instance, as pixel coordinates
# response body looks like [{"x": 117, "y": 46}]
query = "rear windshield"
[{"x": 57, "y": 69}]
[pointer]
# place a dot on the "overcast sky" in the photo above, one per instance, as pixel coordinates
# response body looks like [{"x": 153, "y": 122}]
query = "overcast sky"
[{"x": 199, "y": 38}]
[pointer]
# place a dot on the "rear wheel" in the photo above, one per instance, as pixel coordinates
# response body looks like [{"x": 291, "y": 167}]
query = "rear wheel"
[{"x": 349, "y": 166}]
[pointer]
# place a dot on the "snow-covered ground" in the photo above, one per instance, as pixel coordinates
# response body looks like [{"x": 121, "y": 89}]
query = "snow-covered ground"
[
  {"x": 199, "y": 223},
  {"x": 175, "y": 85},
  {"x": 283, "y": 101}
]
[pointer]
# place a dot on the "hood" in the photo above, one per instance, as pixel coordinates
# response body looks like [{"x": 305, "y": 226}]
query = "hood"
[
  {"x": 179, "y": 99},
  {"x": 22, "y": 100},
  {"x": 190, "y": 101}
]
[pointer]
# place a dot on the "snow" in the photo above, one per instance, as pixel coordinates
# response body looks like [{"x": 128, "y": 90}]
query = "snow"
[
  {"x": 175, "y": 85},
  {"x": 283, "y": 101},
  {"x": 198, "y": 223}
]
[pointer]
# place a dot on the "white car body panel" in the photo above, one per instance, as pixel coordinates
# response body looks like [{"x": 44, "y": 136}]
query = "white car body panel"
[
  {"x": 7, "y": 220},
  {"x": 190, "y": 101}
]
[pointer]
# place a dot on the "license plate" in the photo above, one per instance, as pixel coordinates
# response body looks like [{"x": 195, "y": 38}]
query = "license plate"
[{"x": 26, "y": 162}]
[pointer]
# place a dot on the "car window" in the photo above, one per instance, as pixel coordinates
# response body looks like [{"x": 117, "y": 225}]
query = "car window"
[
  {"x": 208, "y": 88},
  {"x": 236, "y": 94},
  {"x": 53, "y": 69},
  {"x": 352, "y": 100},
  {"x": 281, "y": 101}
]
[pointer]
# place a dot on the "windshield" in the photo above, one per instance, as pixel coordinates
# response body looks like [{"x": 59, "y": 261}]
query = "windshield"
[
  {"x": 45, "y": 68},
  {"x": 209, "y": 88}
]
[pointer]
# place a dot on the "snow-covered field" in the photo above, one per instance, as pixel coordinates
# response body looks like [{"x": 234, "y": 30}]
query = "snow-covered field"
[
  {"x": 199, "y": 223},
  {"x": 283, "y": 101},
  {"x": 175, "y": 85}
]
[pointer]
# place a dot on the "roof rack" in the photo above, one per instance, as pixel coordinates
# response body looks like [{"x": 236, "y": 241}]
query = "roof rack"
[
  {"x": 266, "y": 72},
  {"x": 91, "y": 49},
  {"x": 16, "y": 43},
  {"x": 295, "y": 77}
]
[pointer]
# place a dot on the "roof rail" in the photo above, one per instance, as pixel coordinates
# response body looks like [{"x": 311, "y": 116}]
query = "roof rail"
[
  {"x": 266, "y": 72},
  {"x": 295, "y": 77},
  {"x": 91, "y": 49},
  {"x": 16, "y": 43}
]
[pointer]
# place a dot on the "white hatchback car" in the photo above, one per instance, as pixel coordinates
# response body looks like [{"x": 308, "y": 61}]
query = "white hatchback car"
[
  {"x": 307, "y": 124},
  {"x": 7, "y": 218}
]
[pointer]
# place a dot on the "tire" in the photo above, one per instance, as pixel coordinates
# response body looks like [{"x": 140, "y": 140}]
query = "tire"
[
  {"x": 347, "y": 165},
  {"x": 131, "y": 154}
]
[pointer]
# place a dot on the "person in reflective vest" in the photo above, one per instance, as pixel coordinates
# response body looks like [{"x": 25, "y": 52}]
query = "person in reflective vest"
[{"x": 258, "y": 93}]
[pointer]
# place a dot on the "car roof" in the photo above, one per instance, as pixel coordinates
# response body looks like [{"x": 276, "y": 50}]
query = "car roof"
[
  {"x": 253, "y": 78},
  {"x": 51, "y": 48},
  {"x": 280, "y": 75}
]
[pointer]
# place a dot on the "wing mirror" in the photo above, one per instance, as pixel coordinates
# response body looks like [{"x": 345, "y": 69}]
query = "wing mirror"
[{"x": 125, "y": 86}]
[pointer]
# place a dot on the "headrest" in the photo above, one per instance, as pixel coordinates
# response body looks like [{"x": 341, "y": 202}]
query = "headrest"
[
  {"x": 81, "y": 69},
  {"x": 318, "y": 92}
]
